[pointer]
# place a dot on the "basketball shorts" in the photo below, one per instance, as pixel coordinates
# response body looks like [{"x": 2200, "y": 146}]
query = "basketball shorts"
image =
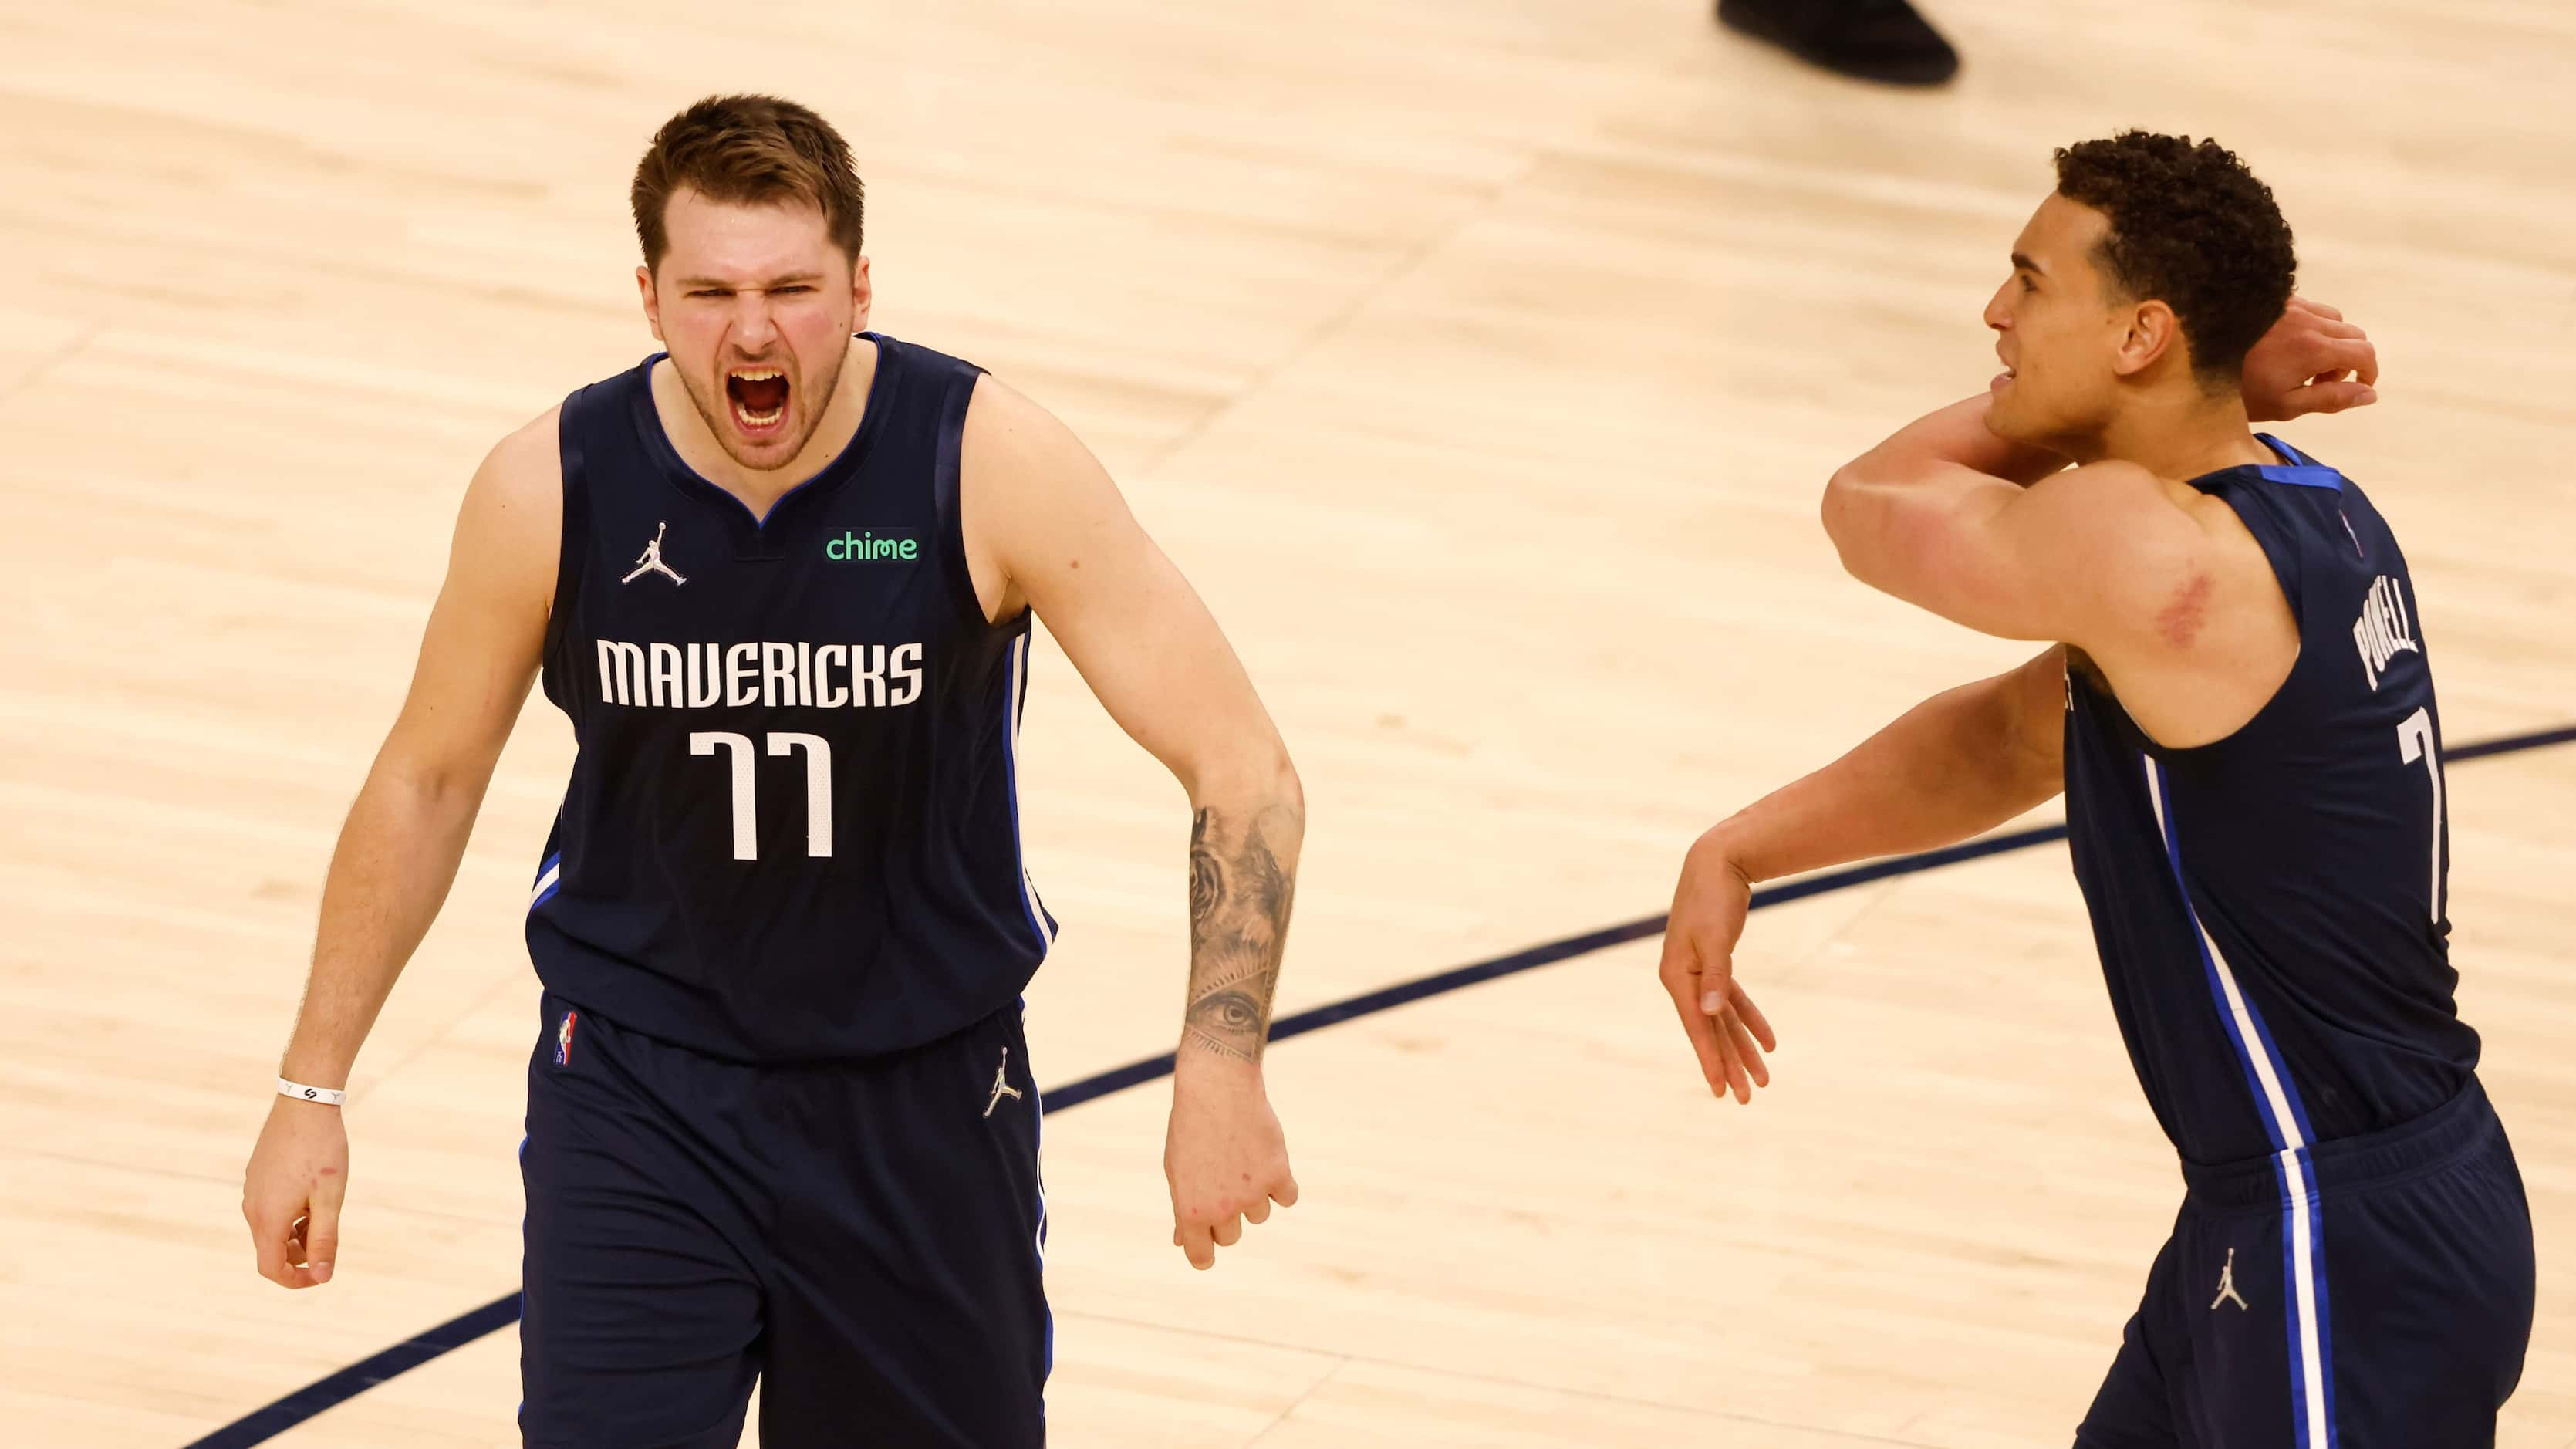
[
  {"x": 863, "y": 1237},
  {"x": 2368, "y": 1293}
]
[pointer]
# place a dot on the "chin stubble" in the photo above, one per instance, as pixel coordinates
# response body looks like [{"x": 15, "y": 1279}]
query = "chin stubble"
[{"x": 720, "y": 423}]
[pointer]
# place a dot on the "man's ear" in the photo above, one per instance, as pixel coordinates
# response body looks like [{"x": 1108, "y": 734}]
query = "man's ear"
[
  {"x": 652, "y": 302},
  {"x": 2151, "y": 331}
]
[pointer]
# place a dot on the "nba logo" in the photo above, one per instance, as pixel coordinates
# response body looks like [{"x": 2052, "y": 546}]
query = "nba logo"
[{"x": 563, "y": 1039}]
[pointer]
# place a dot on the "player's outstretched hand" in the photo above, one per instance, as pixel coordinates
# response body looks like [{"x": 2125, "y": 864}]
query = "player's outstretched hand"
[
  {"x": 1727, "y": 1031},
  {"x": 291, "y": 1192},
  {"x": 1224, "y": 1155},
  {"x": 2312, "y": 361}
]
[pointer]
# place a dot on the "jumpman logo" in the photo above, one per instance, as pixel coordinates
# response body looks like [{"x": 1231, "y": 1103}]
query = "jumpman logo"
[
  {"x": 651, "y": 562},
  {"x": 2227, "y": 1286},
  {"x": 1002, "y": 1084}
]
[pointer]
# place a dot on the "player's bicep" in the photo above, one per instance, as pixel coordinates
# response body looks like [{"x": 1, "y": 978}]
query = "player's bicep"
[
  {"x": 2056, "y": 561},
  {"x": 486, "y": 632},
  {"x": 1953, "y": 541},
  {"x": 1134, "y": 628}
]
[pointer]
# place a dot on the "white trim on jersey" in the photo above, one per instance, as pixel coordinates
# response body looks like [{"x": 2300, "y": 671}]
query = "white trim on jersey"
[
  {"x": 545, "y": 883},
  {"x": 2299, "y": 1210},
  {"x": 1011, "y": 760}
]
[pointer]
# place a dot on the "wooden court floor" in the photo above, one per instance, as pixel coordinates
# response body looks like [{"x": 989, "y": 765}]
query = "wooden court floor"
[{"x": 1480, "y": 360}]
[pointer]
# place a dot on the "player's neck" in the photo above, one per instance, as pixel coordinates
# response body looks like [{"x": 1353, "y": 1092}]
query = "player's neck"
[{"x": 2180, "y": 435}]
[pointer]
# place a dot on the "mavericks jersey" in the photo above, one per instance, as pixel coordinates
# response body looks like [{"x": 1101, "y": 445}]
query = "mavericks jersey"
[
  {"x": 2269, "y": 908},
  {"x": 792, "y": 827}
]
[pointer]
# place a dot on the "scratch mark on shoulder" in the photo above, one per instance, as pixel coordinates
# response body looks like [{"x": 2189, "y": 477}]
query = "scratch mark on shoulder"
[{"x": 2179, "y": 622}]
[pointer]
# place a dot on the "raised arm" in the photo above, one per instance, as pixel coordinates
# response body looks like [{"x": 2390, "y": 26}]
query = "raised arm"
[
  {"x": 2007, "y": 540},
  {"x": 2003, "y": 539},
  {"x": 405, "y": 835},
  {"x": 1047, "y": 528},
  {"x": 2160, "y": 585}
]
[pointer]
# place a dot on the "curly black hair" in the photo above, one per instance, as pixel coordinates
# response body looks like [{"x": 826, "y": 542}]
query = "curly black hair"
[{"x": 2190, "y": 227}]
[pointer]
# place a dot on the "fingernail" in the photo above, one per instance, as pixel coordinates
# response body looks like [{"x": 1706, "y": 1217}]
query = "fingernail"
[
  {"x": 321, "y": 1272},
  {"x": 1711, "y": 1003},
  {"x": 2369, "y": 394}
]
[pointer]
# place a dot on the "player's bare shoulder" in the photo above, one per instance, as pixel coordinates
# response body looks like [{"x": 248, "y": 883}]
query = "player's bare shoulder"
[
  {"x": 2161, "y": 560},
  {"x": 2187, "y": 621},
  {"x": 1031, "y": 495},
  {"x": 522, "y": 475},
  {"x": 2229, "y": 611},
  {"x": 509, "y": 529},
  {"x": 1012, "y": 442}
]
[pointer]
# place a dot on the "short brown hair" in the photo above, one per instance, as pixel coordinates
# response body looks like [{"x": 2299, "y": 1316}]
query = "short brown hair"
[
  {"x": 757, "y": 149},
  {"x": 2193, "y": 228}
]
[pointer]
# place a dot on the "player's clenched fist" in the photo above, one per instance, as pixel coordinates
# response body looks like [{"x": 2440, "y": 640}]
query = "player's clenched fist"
[
  {"x": 291, "y": 1193},
  {"x": 1224, "y": 1155}
]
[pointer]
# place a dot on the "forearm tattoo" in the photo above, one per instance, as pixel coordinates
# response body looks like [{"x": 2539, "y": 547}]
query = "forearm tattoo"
[{"x": 1240, "y": 897}]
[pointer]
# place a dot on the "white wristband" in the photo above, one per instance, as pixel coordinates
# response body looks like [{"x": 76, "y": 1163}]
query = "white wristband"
[{"x": 303, "y": 1093}]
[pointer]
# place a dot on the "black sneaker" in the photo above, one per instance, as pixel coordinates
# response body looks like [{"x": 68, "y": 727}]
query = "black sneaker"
[{"x": 1879, "y": 40}]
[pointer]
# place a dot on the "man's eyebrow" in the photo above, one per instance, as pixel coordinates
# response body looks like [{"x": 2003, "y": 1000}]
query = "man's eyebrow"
[{"x": 720, "y": 284}]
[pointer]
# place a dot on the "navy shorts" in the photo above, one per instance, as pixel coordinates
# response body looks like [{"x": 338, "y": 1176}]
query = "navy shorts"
[
  {"x": 2377, "y": 1295},
  {"x": 864, "y": 1237}
]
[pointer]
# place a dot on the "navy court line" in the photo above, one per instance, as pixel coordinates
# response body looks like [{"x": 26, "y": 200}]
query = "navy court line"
[
  {"x": 357, "y": 1378},
  {"x": 2510, "y": 743},
  {"x": 325, "y": 1393}
]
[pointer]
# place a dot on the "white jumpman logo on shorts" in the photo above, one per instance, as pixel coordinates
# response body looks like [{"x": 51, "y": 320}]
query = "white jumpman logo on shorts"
[
  {"x": 1002, "y": 1084},
  {"x": 2227, "y": 1286},
  {"x": 651, "y": 562}
]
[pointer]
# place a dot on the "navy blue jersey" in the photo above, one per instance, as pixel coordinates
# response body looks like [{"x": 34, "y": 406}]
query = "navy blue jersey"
[
  {"x": 792, "y": 828},
  {"x": 2269, "y": 908}
]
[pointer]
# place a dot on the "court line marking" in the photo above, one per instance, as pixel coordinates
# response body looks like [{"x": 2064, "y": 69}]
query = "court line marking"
[{"x": 262, "y": 1425}]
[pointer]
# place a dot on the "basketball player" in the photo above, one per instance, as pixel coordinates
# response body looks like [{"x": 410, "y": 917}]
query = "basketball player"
[
  {"x": 781, "y": 1117},
  {"x": 2238, "y": 706}
]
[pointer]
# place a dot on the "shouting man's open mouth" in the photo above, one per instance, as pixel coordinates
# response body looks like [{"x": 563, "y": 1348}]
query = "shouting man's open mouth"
[{"x": 759, "y": 399}]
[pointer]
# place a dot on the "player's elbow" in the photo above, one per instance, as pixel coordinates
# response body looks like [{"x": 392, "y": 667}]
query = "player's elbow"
[
  {"x": 1257, "y": 778},
  {"x": 432, "y": 776},
  {"x": 1835, "y": 506},
  {"x": 1850, "y": 511},
  {"x": 1292, "y": 790},
  {"x": 1275, "y": 780}
]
